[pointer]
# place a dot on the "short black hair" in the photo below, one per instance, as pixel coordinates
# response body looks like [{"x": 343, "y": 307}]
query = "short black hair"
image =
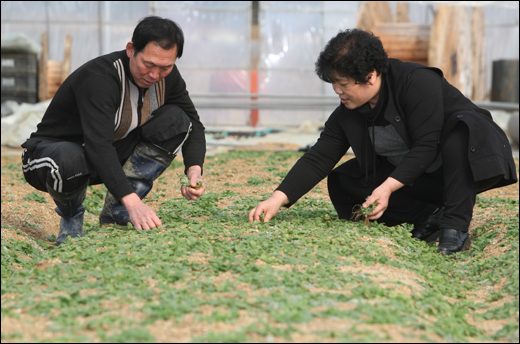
[
  {"x": 353, "y": 53},
  {"x": 164, "y": 32}
]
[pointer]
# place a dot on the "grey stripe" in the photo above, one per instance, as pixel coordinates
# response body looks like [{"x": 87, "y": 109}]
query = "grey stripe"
[
  {"x": 154, "y": 104},
  {"x": 180, "y": 146},
  {"x": 47, "y": 163},
  {"x": 118, "y": 64}
]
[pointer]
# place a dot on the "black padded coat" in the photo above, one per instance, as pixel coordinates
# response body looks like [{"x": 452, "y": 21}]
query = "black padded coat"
[{"x": 423, "y": 123}]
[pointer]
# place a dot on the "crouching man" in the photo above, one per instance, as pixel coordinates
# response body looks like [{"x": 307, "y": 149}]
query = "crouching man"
[{"x": 119, "y": 119}]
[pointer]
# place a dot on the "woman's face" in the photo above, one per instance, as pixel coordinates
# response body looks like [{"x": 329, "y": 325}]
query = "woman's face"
[{"x": 354, "y": 94}]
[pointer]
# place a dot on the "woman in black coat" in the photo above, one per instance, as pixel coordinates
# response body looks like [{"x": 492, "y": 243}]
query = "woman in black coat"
[{"x": 423, "y": 150}]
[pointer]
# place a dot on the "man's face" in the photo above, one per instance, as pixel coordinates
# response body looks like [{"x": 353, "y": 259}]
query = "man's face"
[
  {"x": 354, "y": 94},
  {"x": 151, "y": 64}
]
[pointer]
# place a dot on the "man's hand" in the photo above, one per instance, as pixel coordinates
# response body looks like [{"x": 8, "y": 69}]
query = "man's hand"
[
  {"x": 193, "y": 191},
  {"x": 268, "y": 207},
  {"x": 141, "y": 215}
]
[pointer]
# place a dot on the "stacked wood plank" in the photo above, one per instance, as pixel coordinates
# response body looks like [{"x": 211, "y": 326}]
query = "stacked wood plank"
[
  {"x": 402, "y": 40},
  {"x": 405, "y": 41}
]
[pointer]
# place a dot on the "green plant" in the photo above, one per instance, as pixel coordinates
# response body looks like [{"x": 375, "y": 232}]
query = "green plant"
[
  {"x": 184, "y": 181},
  {"x": 360, "y": 213},
  {"x": 35, "y": 196},
  {"x": 297, "y": 276}
]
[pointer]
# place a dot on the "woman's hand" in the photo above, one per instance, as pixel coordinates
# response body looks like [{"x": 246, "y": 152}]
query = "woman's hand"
[
  {"x": 268, "y": 207},
  {"x": 381, "y": 194}
]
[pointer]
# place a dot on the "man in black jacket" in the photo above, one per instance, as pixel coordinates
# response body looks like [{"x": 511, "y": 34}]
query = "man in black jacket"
[
  {"x": 120, "y": 119},
  {"x": 423, "y": 150}
]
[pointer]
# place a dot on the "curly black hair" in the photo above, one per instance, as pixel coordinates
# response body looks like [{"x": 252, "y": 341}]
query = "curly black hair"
[{"x": 353, "y": 53}]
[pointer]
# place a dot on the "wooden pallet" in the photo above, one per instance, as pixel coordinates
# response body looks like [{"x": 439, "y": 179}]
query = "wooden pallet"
[{"x": 51, "y": 74}]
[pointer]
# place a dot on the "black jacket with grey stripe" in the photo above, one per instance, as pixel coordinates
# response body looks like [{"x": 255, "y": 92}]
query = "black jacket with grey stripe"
[{"x": 98, "y": 105}]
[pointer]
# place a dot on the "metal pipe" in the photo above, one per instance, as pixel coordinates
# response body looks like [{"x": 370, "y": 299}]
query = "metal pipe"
[{"x": 294, "y": 102}]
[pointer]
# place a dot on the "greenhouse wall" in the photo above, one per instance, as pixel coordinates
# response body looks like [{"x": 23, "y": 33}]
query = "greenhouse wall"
[{"x": 220, "y": 47}]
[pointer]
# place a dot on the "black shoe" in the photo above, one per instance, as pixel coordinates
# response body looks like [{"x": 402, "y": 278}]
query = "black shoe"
[
  {"x": 429, "y": 230},
  {"x": 452, "y": 240}
]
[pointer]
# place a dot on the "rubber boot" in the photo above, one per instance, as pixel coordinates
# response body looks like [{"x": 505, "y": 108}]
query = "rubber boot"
[
  {"x": 146, "y": 163},
  {"x": 71, "y": 209}
]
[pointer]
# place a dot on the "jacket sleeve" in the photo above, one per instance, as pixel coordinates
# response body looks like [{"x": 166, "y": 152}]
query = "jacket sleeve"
[
  {"x": 422, "y": 105},
  {"x": 318, "y": 162},
  {"x": 98, "y": 97},
  {"x": 194, "y": 149}
]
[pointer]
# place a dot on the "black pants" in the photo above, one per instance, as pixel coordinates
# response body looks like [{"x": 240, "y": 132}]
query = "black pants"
[
  {"x": 50, "y": 162},
  {"x": 452, "y": 186}
]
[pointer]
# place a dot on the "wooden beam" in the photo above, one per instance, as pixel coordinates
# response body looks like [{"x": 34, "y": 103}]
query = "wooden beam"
[
  {"x": 65, "y": 69},
  {"x": 402, "y": 12},
  {"x": 478, "y": 33},
  {"x": 43, "y": 87},
  {"x": 372, "y": 13},
  {"x": 450, "y": 46}
]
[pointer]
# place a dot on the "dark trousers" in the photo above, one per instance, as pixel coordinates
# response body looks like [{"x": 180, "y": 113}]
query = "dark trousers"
[
  {"x": 452, "y": 186},
  {"x": 50, "y": 162}
]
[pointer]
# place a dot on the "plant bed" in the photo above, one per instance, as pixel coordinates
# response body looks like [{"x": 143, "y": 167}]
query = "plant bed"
[{"x": 208, "y": 275}]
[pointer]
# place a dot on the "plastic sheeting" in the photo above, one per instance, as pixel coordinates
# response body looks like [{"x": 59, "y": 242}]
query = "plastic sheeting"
[
  {"x": 21, "y": 123},
  {"x": 219, "y": 49},
  {"x": 20, "y": 43}
]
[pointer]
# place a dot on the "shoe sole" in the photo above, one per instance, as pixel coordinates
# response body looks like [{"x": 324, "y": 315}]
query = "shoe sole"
[{"x": 465, "y": 246}]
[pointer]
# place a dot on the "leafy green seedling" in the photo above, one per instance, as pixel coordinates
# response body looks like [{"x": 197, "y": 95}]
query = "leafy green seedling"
[
  {"x": 35, "y": 196},
  {"x": 51, "y": 237},
  {"x": 183, "y": 179},
  {"x": 366, "y": 211},
  {"x": 360, "y": 213}
]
